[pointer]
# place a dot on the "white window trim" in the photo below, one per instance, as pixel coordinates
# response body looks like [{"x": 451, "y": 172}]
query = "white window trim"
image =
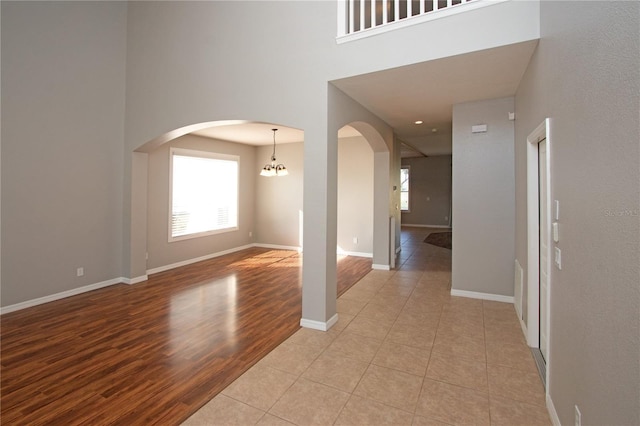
[{"x": 200, "y": 154}]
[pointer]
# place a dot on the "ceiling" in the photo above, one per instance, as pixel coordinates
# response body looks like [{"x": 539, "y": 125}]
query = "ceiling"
[{"x": 401, "y": 96}]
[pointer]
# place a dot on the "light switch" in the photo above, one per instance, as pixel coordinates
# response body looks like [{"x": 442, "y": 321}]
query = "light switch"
[
  {"x": 558, "y": 258},
  {"x": 479, "y": 128},
  {"x": 556, "y": 237}
]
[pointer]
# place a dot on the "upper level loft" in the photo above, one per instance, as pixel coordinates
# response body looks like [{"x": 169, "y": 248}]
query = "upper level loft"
[{"x": 364, "y": 18}]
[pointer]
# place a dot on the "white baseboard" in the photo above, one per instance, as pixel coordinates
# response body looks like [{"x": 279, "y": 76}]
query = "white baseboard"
[
  {"x": 319, "y": 325},
  {"x": 198, "y": 259},
  {"x": 483, "y": 296},
  {"x": 277, "y": 247},
  {"x": 58, "y": 296},
  {"x": 135, "y": 280},
  {"x": 417, "y": 225},
  {"x": 354, "y": 253},
  {"x": 381, "y": 267},
  {"x": 552, "y": 411}
]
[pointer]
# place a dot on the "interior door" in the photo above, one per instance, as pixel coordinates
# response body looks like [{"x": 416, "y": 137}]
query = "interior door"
[{"x": 543, "y": 193}]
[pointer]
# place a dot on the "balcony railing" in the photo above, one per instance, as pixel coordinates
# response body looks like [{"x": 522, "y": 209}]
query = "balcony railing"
[{"x": 363, "y": 17}]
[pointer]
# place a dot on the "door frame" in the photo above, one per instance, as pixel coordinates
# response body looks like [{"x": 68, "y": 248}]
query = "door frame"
[{"x": 542, "y": 132}]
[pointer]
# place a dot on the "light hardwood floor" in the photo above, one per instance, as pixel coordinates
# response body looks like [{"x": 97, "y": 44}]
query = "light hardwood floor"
[{"x": 154, "y": 352}]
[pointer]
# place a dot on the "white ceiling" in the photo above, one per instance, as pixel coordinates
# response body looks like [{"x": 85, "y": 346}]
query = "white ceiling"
[
  {"x": 400, "y": 96},
  {"x": 261, "y": 133}
]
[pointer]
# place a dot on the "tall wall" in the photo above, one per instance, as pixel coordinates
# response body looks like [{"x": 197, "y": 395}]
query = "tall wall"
[
  {"x": 355, "y": 196},
  {"x": 483, "y": 198},
  {"x": 63, "y": 97},
  {"x": 430, "y": 190},
  {"x": 585, "y": 77},
  {"x": 101, "y": 80}
]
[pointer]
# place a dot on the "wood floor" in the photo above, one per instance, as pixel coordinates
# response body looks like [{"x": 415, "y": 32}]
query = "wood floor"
[{"x": 154, "y": 352}]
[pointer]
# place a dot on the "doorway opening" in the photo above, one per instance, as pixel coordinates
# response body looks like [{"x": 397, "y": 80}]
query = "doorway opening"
[{"x": 539, "y": 247}]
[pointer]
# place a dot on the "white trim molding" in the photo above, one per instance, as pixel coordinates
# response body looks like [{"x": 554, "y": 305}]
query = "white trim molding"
[
  {"x": 135, "y": 280},
  {"x": 552, "y": 411},
  {"x": 416, "y": 225},
  {"x": 319, "y": 325},
  {"x": 354, "y": 253},
  {"x": 483, "y": 296},
  {"x": 380, "y": 267},
  {"x": 58, "y": 296},
  {"x": 198, "y": 259},
  {"x": 275, "y": 247}
]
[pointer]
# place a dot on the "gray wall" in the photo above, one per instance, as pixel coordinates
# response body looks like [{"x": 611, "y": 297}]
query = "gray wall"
[
  {"x": 355, "y": 195},
  {"x": 429, "y": 190},
  {"x": 163, "y": 253},
  {"x": 585, "y": 77},
  {"x": 63, "y": 79},
  {"x": 483, "y": 198},
  {"x": 63, "y": 96},
  {"x": 279, "y": 214}
]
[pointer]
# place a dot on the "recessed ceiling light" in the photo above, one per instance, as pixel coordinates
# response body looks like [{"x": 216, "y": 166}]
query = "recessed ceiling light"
[
  {"x": 434, "y": 130},
  {"x": 419, "y": 122}
]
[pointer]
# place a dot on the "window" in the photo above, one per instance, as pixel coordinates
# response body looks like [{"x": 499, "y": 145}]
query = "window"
[
  {"x": 204, "y": 194},
  {"x": 404, "y": 188}
]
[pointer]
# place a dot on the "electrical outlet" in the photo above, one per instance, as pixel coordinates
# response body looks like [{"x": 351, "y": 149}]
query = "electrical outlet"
[
  {"x": 355, "y": 240},
  {"x": 80, "y": 272},
  {"x": 578, "y": 416},
  {"x": 250, "y": 234}
]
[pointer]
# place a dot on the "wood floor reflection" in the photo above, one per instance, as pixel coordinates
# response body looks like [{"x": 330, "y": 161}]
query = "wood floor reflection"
[{"x": 154, "y": 352}]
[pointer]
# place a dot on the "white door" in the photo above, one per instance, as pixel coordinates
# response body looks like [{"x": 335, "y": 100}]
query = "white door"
[{"x": 543, "y": 191}]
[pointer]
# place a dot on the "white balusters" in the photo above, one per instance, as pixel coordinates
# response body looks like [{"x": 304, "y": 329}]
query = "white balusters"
[{"x": 356, "y": 18}]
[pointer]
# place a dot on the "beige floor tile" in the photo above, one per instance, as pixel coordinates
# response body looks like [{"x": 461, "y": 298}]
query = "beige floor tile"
[
  {"x": 291, "y": 358},
  {"x": 424, "y": 421},
  {"x": 355, "y": 346},
  {"x": 425, "y": 302},
  {"x": 418, "y": 337},
  {"x": 509, "y": 322},
  {"x": 516, "y": 356},
  {"x": 457, "y": 371},
  {"x": 375, "y": 328},
  {"x": 472, "y": 329},
  {"x": 413, "y": 316},
  {"x": 370, "y": 284},
  {"x": 397, "y": 289},
  {"x": 460, "y": 346},
  {"x": 508, "y": 412},
  {"x": 404, "y": 358},
  {"x": 386, "y": 313},
  {"x": 223, "y": 410},
  {"x": 333, "y": 369},
  {"x": 410, "y": 276},
  {"x": 391, "y": 387},
  {"x": 343, "y": 322},
  {"x": 260, "y": 387},
  {"x": 523, "y": 386},
  {"x": 386, "y": 300},
  {"x": 453, "y": 404},
  {"x": 307, "y": 336},
  {"x": 271, "y": 420},
  {"x": 497, "y": 332},
  {"x": 358, "y": 294},
  {"x": 350, "y": 307},
  {"x": 310, "y": 403},
  {"x": 361, "y": 411}
]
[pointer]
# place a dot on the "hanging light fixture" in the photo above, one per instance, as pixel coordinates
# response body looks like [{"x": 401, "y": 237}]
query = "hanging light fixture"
[{"x": 272, "y": 169}]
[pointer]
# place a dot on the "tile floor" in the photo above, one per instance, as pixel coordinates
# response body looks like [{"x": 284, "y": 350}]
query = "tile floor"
[{"x": 404, "y": 352}]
